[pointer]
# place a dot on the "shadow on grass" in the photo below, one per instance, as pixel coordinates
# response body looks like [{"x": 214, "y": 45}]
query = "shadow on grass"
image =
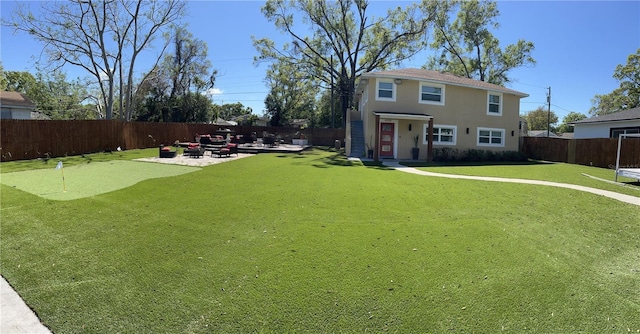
[
  {"x": 337, "y": 159},
  {"x": 376, "y": 165},
  {"x": 317, "y": 157}
]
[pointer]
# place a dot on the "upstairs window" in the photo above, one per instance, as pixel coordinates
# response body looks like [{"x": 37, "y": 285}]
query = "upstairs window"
[
  {"x": 386, "y": 90},
  {"x": 494, "y": 106},
  {"x": 431, "y": 93}
]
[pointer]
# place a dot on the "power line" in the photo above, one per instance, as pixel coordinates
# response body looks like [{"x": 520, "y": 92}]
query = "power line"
[{"x": 557, "y": 106}]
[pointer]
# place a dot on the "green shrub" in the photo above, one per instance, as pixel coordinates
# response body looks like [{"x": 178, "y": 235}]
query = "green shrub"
[
  {"x": 445, "y": 154},
  {"x": 448, "y": 154}
]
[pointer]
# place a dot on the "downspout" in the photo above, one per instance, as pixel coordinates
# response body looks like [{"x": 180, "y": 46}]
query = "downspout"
[
  {"x": 377, "y": 140},
  {"x": 430, "y": 141}
]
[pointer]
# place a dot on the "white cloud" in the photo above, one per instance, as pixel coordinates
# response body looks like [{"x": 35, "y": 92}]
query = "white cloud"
[{"x": 214, "y": 91}]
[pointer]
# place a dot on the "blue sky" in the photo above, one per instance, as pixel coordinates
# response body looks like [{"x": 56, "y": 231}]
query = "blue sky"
[{"x": 577, "y": 47}]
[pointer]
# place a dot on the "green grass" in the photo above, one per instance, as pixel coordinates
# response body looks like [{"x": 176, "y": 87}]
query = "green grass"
[
  {"x": 27, "y": 165},
  {"x": 314, "y": 243},
  {"x": 547, "y": 171},
  {"x": 79, "y": 181}
]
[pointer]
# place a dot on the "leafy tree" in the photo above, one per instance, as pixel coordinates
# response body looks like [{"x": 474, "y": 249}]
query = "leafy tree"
[
  {"x": 189, "y": 67},
  {"x": 537, "y": 119},
  {"x": 191, "y": 108},
  {"x": 52, "y": 94},
  {"x": 627, "y": 96},
  {"x": 102, "y": 37},
  {"x": 3, "y": 81},
  {"x": 341, "y": 31},
  {"x": 324, "y": 115},
  {"x": 23, "y": 82},
  {"x": 174, "y": 91},
  {"x": 230, "y": 110},
  {"x": 291, "y": 95},
  {"x": 467, "y": 46},
  {"x": 571, "y": 117}
]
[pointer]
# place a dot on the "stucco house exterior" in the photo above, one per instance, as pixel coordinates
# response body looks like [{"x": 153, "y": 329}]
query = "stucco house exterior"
[
  {"x": 440, "y": 109},
  {"x": 608, "y": 126},
  {"x": 14, "y": 105}
]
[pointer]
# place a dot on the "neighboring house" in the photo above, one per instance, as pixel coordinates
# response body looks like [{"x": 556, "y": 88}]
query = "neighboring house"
[
  {"x": 262, "y": 121},
  {"x": 396, "y": 106},
  {"x": 300, "y": 123},
  {"x": 250, "y": 119},
  {"x": 14, "y": 105},
  {"x": 608, "y": 126},
  {"x": 221, "y": 121},
  {"x": 566, "y": 135},
  {"x": 541, "y": 133},
  {"x": 242, "y": 119}
]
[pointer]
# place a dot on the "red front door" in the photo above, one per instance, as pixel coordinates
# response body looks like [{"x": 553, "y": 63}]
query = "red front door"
[{"x": 387, "y": 133}]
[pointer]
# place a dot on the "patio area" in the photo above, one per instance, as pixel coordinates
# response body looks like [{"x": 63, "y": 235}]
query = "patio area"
[{"x": 244, "y": 151}]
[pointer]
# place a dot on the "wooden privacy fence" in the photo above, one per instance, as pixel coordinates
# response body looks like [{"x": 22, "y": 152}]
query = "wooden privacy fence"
[
  {"x": 31, "y": 139},
  {"x": 599, "y": 152}
]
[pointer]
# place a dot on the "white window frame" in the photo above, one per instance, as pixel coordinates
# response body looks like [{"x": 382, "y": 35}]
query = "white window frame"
[
  {"x": 491, "y": 131},
  {"x": 435, "y": 85},
  {"x": 499, "y": 113},
  {"x": 393, "y": 90},
  {"x": 436, "y": 141}
]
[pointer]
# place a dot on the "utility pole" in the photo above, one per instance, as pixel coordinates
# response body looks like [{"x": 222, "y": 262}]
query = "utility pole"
[
  {"x": 332, "y": 102},
  {"x": 549, "y": 112}
]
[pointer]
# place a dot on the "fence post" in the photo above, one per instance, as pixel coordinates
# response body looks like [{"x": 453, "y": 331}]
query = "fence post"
[{"x": 571, "y": 152}]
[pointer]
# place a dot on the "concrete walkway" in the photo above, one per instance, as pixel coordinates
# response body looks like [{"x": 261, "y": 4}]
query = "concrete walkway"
[
  {"x": 15, "y": 316},
  {"x": 614, "y": 195}
]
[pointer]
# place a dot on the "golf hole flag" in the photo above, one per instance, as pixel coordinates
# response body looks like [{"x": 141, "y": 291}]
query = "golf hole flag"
[{"x": 59, "y": 166}]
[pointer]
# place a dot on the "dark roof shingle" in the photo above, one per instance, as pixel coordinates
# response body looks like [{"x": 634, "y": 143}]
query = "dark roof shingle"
[
  {"x": 625, "y": 115},
  {"x": 15, "y": 99}
]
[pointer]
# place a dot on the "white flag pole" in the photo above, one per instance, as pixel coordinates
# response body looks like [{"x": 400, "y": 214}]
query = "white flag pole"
[{"x": 61, "y": 168}]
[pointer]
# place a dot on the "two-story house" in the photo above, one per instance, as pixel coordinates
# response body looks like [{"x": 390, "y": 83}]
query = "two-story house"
[{"x": 440, "y": 109}]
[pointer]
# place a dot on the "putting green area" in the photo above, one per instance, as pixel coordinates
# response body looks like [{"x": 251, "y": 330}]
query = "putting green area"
[{"x": 90, "y": 179}]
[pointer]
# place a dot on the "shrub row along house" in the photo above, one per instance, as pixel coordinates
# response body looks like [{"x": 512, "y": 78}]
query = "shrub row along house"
[{"x": 399, "y": 110}]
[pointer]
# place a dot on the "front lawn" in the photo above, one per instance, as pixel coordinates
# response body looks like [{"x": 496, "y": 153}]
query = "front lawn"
[
  {"x": 546, "y": 171},
  {"x": 312, "y": 242}
]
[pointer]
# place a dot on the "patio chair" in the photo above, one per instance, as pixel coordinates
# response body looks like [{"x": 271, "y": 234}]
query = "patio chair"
[
  {"x": 194, "y": 150},
  {"x": 166, "y": 152},
  {"x": 226, "y": 151}
]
